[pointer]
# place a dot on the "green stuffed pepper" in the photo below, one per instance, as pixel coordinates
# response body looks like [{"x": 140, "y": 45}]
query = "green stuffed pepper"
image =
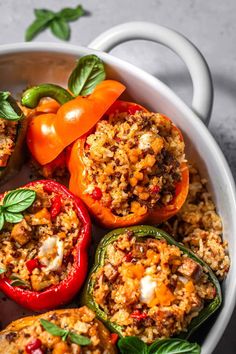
[
  {"x": 13, "y": 126},
  {"x": 146, "y": 284}
]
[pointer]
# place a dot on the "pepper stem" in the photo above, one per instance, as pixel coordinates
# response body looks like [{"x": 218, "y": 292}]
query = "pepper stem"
[{"x": 32, "y": 96}]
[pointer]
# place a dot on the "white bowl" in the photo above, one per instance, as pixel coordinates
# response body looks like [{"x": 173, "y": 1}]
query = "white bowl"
[{"x": 26, "y": 64}]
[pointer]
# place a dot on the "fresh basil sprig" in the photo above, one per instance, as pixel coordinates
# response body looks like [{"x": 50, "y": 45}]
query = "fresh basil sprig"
[
  {"x": 87, "y": 74},
  {"x": 14, "y": 203},
  {"x": 64, "y": 334},
  {"x": 2, "y": 270},
  {"x": 6, "y": 109},
  {"x": 56, "y": 21},
  {"x": 134, "y": 345}
]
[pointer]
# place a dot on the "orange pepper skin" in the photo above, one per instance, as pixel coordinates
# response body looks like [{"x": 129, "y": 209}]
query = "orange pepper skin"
[
  {"x": 48, "y": 107},
  {"x": 50, "y": 133},
  {"x": 103, "y": 215},
  {"x": 41, "y": 127},
  {"x": 42, "y": 139},
  {"x": 78, "y": 116}
]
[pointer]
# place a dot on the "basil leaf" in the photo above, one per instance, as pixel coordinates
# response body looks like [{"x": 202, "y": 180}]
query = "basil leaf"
[
  {"x": 53, "y": 329},
  {"x": 79, "y": 339},
  {"x": 174, "y": 346},
  {"x": 2, "y": 220},
  {"x": 87, "y": 74},
  {"x": 2, "y": 271},
  {"x": 43, "y": 13},
  {"x": 132, "y": 345},
  {"x": 70, "y": 14},
  {"x": 4, "y": 95},
  {"x": 36, "y": 27},
  {"x": 6, "y": 110},
  {"x": 64, "y": 337},
  {"x": 16, "y": 281},
  {"x": 60, "y": 28},
  {"x": 13, "y": 218},
  {"x": 18, "y": 200}
]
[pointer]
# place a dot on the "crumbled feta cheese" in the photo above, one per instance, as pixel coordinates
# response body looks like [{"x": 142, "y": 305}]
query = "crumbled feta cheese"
[
  {"x": 147, "y": 289},
  {"x": 51, "y": 253},
  {"x": 145, "y": 141}
]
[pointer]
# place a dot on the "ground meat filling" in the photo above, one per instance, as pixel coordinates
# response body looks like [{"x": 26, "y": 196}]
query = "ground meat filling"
[
  {"x": 150, "y": 288},
  {"x": 39, "y": 249},
  {"x": 8, "y": 131},
  {"x": 80, "y": 321},
  {"x": 132, "y": 162}
]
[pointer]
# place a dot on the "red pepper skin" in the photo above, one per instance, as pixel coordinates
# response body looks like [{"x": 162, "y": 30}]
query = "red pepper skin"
[
  {"x": 138, "y": 315},
  {"x": 56, "y": 206},
  {"x": 63, "y": 292}
]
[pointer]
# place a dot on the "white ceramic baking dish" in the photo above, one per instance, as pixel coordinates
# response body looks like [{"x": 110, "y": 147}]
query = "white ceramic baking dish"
[{"x": 32, "y": 63}]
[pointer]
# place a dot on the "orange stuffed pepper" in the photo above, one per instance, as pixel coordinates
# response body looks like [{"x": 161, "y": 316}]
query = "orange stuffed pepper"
[{"x": 130, "y": 168}]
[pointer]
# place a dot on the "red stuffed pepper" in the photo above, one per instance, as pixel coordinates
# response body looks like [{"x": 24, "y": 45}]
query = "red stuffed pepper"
[{"x": 45, "y": 235}]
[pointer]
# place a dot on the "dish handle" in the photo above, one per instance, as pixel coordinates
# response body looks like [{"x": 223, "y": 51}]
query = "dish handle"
[{"x": 194, "y": 60}]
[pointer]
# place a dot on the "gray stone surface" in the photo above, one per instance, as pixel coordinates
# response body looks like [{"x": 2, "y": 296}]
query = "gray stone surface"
[{"x": 209, "y": 24}]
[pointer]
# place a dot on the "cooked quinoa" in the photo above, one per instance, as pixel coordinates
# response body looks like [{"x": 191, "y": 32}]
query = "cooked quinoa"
[
  {"x": 199, "y": 226},
  {"x": 150, "y": 288},
  {"x": 21, "y": 335},
  {"x": 132, "y": 162},
  {"x": 8, "y": 131},
  {"x": 39, "y": 249}
]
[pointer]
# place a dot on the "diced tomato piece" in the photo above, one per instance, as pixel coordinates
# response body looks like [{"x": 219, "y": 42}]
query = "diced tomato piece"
[
  {"x": 155, "y": 190},
  {"x": 114, "y": 338},
  {"x": 128, "y": 257},
  {"x": 138, "y": 315},
  {"x": 31, "y": 264},
  {"x": 34, "y": 347},
  {"x": 96, "y": 193},
  {"x": 56, "y": 206}
]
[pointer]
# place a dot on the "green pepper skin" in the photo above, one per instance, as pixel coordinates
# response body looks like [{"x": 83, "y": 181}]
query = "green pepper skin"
[
  {"x": 18, "y": 155},
  {"x": 33, "y": 95},
  {"x": 139, "y": 232}
]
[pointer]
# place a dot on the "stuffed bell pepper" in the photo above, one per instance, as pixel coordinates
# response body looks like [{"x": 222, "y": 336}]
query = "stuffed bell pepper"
[
  {"x": 67, "y": 331},
  {"x": 145, "y": 284},
  {"x": 45, "y": 234},
  {"x": 130, "y": 168},
  {"x": 13, "y": 126}
]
